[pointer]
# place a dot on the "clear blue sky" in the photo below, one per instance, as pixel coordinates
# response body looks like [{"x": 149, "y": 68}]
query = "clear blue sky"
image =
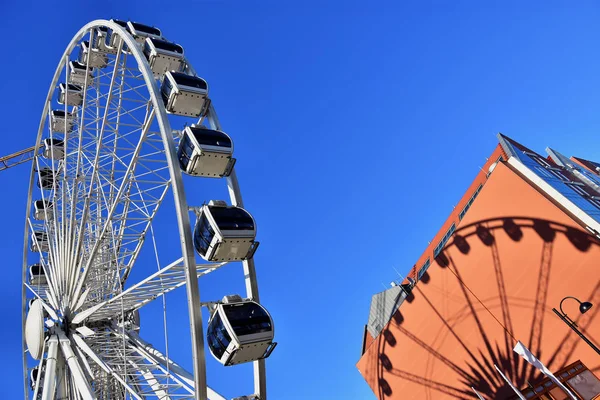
[{"x": 357, "y": 127}]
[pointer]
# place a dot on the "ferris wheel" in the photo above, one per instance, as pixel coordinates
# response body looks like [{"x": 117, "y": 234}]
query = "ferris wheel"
[{"x": 126, "y": 117}]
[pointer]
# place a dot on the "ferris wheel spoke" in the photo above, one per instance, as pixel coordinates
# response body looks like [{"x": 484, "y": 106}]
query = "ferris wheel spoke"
[
  {"x": 85, "y": 363},
  {"x": 151, "y": 203},
  {"x": 156, "y": 388},
  {"x": 180, "y": 374},
  {"x": 66, "y": 235},
  {"x": 75, "y": 241},
  {"x": 154, "y": 373},
  {"x": 140, "y": 294},
  {"x": 99, "y": 136},
  {"x": 89, "y": 153},
  {"x": 81, "y": 277},
  {"x": 43, "y": 299}
]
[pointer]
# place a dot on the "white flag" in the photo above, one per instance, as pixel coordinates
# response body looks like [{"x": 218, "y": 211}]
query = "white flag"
[
  {"x": 524, "y": 352},
  {"x": 477, "y": 393},
  {"x": 517, "y": 391}
]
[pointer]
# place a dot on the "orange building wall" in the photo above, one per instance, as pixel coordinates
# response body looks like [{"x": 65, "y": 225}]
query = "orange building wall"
[
  {"x": 480, "y": 179},
  {"x": 447, "y": 335}
]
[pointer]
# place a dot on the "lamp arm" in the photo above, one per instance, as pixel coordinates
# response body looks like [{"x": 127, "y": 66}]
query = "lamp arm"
[{"x": 568, "y": 297}]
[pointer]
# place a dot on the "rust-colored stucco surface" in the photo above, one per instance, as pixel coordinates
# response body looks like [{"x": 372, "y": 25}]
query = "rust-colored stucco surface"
[{"x": 517, "y": 255}]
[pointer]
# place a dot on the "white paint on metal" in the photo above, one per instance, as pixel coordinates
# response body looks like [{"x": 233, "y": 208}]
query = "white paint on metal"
[
  {"x": 50, "y": 375},
  {"x": 34, "y": 329},
  {"x": 82, "y": 384},
  {"x": 554, "y": 194}
]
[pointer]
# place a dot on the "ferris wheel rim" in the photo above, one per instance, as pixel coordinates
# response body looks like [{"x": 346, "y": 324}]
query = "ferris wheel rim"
[{"x": 176, "y": 183}]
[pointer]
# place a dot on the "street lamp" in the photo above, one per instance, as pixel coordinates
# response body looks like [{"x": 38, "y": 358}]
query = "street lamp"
[{"x": 583, "y": 308}]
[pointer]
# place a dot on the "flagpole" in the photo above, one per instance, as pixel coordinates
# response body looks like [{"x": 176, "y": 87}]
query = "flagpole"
[
  {"x": 477, "y": 393},
  {"x": 517, "y": 391}
]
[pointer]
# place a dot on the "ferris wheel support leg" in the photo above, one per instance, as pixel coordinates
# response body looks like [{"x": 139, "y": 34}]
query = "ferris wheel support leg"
[
  {"x": 83, "y": 386},
  {"x": 50, "y": 375},
  {"x": 61, "y": 377}
]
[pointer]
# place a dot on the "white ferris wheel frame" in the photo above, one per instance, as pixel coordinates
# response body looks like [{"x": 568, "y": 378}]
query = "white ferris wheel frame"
[{"x": 182, "y": 210}]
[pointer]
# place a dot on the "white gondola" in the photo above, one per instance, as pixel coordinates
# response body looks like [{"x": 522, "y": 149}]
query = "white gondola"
[
  {"x": 163, "y": 56},
  {"x": 184, "y": 94},
  {"x": 240, "y": 331},
  {"x": 42, "y": 209},
  {"x": 39, "y": 242},
  {"x": 224, "y": 233},
  {"x": 205, "y": 152},
  {"x": 54, "y": 148},
  {"x": 73, "y": 94},
  {"x": 140, "y": 31},
  {"x": 46, "y": 178},
  {"x": 59, "y": 120},
  {"x": 78, "y": 73},
  {"x": 98, "y": 59}
]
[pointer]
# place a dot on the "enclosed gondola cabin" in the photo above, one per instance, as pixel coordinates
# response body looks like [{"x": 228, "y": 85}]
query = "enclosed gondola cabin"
[
  {"x": 61, "y": 122},
  {"x": 184, "y": 94},
  {"x": 54, "y": 148},
  {"x": 80, "y": 74},
  {"x": 163, "y": 56},
  {"x": 42, "y": 209},
  {"x": 98, "y": 57},
  {"x": 39, "y": 242},
  {"x": 224, "y": 233},
  {"x": 240, "y": 331},
  {"x": 46, "y": 177},
  {"x": 72, "y": 94},
  {"x": 140, "y": 31},
  {"x": 37, "y": 276},
  {"x": 205, "y": 152}
]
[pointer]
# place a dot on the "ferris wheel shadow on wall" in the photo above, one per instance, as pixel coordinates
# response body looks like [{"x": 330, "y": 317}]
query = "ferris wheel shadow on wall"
[{"x": 481, "y": 373}]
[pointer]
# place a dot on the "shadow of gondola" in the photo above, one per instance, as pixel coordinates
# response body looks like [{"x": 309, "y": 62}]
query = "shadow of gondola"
[
  {"x": 544, "y": 229},
  {"x": 579, "y": 239},
  {"x": 512, "y": 229},
  {"x": 461, "y": 244}
]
